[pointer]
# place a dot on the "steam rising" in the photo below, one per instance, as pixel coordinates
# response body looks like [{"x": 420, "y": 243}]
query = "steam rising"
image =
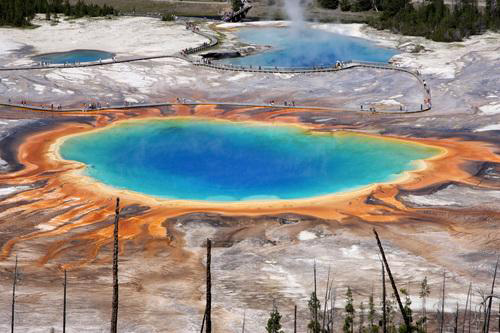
[{"x": 295, "y": 13}]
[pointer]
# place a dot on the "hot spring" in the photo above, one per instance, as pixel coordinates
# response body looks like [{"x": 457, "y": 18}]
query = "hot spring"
[
  {"x": 307, "y": 47},
  {"x": 73, "y": 56},
  {"x": 225, "y": 161}
]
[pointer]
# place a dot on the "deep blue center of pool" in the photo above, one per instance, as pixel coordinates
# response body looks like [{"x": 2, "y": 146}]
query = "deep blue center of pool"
[
  {"x": 307, "y": 47},
  {"x": 223, "y": 161},
  {"x": 73, "y": 56}
]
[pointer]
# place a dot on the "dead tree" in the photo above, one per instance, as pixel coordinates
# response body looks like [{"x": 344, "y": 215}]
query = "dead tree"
[
  {"x": 203, "y": 322},
  {"x": 466, "y": 307},
  {"x": 470, "y": 316},
  {"x": 244, "y": 318},
  {"x": 315, "y": 299},
  {"x": 395, "y": 289},
  {"x": 114, "y": 306},
  {"x": 455, "y": 328},
  {"x": 441, "y": 322},
  {"x": 295, "y": 318},
  {"x": 325, "y": 303},
  {"x": 208, "y": 305},
  {"x": 64, "y": 303},
  {"x": 488, "y": 310},
  {"x": 384, "y": 305},
  {"x": 333, "y": 300},
  {"x": 12, "y": 315}
]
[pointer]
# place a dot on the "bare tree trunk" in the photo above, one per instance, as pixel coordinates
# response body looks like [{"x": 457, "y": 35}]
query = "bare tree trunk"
[
  {"x": 395, "y": 289},
  {"x": 334, "y": 304},
  {"x": 479, "y": 321},
  {"x": 64, "y": 303},
  {"x": 244, "y": 318},
  {"x": 208, "y": 306},
  {"x": 470, "y": 313},
  {"x": 12, "y": 318},
  {"x": 295, "y": 318},
  {"x": 114, "y": 305},
  {"x": 424, "y": 311},
  {"x": 315, "y": 299},
  {"x": 441, "y": 324},
  {"x": 488, "y": 311},
  {"x": 203, "y": 321},
  {"x": 326, "y": 299},
  {"x": 384, "y": 305},
  {"x": 455, "y": 328},
  {"x": 466, "y": 307}
]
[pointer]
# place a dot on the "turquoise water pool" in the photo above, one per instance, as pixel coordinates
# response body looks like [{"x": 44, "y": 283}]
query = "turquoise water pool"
[
  {"x": 224, "y": 161},
  {"x": 73, "y": 56},
  {"x": 307, "y": 48}
]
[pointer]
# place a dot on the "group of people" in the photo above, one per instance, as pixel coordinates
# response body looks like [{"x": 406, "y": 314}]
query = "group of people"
[
  {"x": 113, "y": 58},
  {"x": 92, "y": 106},
  {"x": 371, "y": 108},
  {"x": 181, "y": 100},
  {"x": 339, "y": 64},
  {"x": 76, "y": 63},
  {"x": 427, "y": 102},
  {"x": 49, "y": 107},
  {"x": 59, "y": 107},
  {"x": 191, "y": 26},
  {"x": 187, "y": 51},
  {"x": 285, "y": 103}
]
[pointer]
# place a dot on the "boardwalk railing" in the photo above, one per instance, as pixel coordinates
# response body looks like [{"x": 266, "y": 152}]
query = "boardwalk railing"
[
  {"x": 213, "y": 41},
  {"x": 40, "y": 108}
]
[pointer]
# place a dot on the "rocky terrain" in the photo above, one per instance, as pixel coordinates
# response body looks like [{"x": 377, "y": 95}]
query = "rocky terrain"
[{"x": 445, "y": 219}]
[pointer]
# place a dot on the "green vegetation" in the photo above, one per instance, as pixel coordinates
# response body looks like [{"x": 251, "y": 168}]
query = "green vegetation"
[
  {"x": 349, "y": 312},
  {"x": 19, "y": 13},
  {"x": 274, "y": 322},
  {"x": 324, "y": 319},
  {"x": 345, "y": 5},
  {"x": 361, "y": 5},
  {"x": 408, "y": 311},
  {"x": 236, "y": 5},
  {"x": 168, "y": 17},
  {"x": 330, "y": 4},
  {"x": 314, "y": 310},
  {"x": 425, "y": 291},
  {"x": 372, "y": 315},
  {"x": 437, "y": 21},
  {"x": 432, "y": 19}
]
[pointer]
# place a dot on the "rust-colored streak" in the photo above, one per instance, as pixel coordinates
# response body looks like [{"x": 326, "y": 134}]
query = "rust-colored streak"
[{"x": 79, "y": 233}]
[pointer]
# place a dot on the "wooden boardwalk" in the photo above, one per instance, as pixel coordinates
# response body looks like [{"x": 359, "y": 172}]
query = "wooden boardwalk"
[
  {"x": 30, "y": 107},
  {"x": 213, "y": 41}
]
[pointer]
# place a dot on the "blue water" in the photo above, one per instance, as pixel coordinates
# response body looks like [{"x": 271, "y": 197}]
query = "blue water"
[
  {"x": 73, "y": 56},
  {"x": 307, "y": 48},
  {"x": 223, "y": 161}
]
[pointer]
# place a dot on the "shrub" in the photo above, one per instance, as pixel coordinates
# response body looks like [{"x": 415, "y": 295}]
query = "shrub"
[
  {"x": 345, "y": 5},
  {"x": 330, "y": 4}
]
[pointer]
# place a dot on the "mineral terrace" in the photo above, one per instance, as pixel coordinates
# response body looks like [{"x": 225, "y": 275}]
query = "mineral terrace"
[{"x": 445, "y": 219}]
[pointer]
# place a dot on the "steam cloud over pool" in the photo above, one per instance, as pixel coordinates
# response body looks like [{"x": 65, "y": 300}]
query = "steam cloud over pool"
[
  {"x": 223, "y": 161},
  {"x": 306, "y": 47}
]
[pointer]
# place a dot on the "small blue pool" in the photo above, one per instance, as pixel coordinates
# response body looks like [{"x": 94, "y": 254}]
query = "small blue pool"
[
  {"x": 73, "y": 56},
  {"x": 307, "y": 47}
]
